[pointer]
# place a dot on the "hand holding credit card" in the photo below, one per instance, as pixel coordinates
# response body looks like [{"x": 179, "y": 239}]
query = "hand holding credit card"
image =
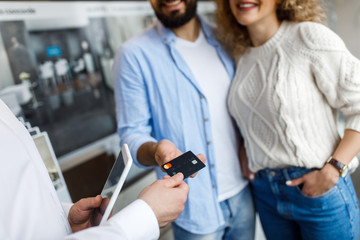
[{"x": 187, "y": 164}]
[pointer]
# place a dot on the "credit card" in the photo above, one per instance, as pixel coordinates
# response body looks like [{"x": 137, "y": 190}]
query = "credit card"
[{"x": 187, "y": 164}]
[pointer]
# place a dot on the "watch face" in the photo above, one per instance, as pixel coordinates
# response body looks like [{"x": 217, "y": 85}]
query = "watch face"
[{"x": 344, "y": 171}]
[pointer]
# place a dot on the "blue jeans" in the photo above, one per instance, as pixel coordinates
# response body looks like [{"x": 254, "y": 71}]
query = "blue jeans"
[
  {"x": 239, "y": 218},
  {"x": 286, "y": 213}
]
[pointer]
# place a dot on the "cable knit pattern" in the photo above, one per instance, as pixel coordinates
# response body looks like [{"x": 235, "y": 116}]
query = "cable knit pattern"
[
  {"x": 280, "y": 100},
  {"x": 263, "y": 133},
  {"x": 318, "y": 37},
  {"x": 252, "y": 88},
  {"x": 351, "y": 68},
  {"x": 286, "y": 94}
]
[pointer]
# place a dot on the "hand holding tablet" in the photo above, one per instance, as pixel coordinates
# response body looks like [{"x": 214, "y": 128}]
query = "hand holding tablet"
[
  {"x": 116, "y": 180},
  {"x": 187, "y": 164}
]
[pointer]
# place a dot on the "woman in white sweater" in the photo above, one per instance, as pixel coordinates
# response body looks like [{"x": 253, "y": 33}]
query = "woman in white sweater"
[{"x": 293, "y": 74}]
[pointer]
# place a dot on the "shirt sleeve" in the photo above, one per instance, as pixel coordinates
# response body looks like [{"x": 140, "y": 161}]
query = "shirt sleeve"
[
  {"x": 131, "y": 99},
  {"x": 135, "y": 222}
]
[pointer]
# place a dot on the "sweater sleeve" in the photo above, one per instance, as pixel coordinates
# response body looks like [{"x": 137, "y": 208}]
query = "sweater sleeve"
[{"x": 336, "y": 71}]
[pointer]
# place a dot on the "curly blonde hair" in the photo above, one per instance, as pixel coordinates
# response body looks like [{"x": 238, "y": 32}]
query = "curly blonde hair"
[{"x": 235, "y": 37}]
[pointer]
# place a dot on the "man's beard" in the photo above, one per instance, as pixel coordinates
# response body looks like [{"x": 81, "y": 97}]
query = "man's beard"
[{"x": 177, "y": 20}]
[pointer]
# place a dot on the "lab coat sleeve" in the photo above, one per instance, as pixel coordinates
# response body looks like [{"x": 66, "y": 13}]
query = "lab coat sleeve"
[
  {"x": 66, "y": 206},
  {"x": 136, "y": 222}
]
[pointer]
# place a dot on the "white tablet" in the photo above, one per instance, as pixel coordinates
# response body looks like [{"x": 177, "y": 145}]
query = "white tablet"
[{"x": 116, "y": 180}]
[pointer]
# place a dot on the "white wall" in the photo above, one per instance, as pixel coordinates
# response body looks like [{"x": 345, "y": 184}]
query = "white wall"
[
  {"x": 345, "y": 21},
  {"x": 347, "y": 24}
]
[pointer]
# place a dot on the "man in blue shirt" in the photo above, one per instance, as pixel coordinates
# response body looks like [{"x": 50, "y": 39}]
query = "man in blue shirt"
[{"x": 171, "y": 84}]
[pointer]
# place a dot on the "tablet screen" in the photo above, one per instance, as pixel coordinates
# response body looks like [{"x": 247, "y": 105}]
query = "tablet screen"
[
  {"x": 114, "y": 177},
  {"x": 116, "y": 180}
]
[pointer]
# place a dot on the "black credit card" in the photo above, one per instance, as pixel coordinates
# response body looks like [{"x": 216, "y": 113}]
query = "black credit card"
[{"x": 187, "y": 164}]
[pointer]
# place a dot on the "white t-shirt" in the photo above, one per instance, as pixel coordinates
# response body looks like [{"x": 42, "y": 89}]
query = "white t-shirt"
[
  {"x": 30, "y": 208},
  {"x": 214, "y": 82}
]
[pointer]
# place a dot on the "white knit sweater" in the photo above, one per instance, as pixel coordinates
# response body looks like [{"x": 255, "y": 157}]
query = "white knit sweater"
[{"x": 286, "y": 92}]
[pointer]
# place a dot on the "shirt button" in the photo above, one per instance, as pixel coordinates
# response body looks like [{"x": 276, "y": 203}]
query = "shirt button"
[
  {"x": 211, "y": 165},
  {"x": 206, "y": 119},
  {"x": 201, "y": 96},
  {"x": 213, "y": 186},
  {"x": 208, "y": 143},
  {"x": 272, "y": 173}
]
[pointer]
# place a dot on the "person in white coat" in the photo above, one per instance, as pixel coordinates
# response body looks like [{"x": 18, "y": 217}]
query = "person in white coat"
[{"x": 30, "y": 208}]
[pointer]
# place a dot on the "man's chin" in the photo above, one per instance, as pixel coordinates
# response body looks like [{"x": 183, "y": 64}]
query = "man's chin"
[{"x": 175, "y": 22}]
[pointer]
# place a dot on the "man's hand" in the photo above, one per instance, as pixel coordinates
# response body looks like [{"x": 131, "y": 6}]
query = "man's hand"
[
  {"x": 166, "y": 151},
  {"x": 156, "y": 154},
  {"x": 166, "y": 198},
  {"x": 317, "y": 182},
  {"x": 87, "y": 212},
  {"x": 244, "y": 163}
]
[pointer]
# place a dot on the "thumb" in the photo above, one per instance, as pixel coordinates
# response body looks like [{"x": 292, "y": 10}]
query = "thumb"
[
  {"x": 295, "y": 182},
  {"x": 174, "y": 180},
  {"x": 90, "y": 203}
]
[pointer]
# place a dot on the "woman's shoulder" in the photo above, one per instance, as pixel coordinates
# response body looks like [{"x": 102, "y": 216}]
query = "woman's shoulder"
[{"x": 317, "y": 36}]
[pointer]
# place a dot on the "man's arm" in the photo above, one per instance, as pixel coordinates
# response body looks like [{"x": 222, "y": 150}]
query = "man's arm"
[
  {"x": 131, "y": 98},
  {"x": 156, "y": 154},
  {"x": 146, "y": 154}
]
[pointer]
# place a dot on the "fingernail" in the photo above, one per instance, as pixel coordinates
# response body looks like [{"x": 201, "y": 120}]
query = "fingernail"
[
  {"x": 288, "y": 182},
  {"x": 251, "y": 176}
]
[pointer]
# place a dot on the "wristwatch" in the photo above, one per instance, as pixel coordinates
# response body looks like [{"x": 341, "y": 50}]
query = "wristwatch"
[{"x": 343, "y": 169}]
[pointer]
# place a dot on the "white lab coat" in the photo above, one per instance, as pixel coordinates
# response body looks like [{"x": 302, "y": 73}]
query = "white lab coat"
[{"x": 29, "y": 206}]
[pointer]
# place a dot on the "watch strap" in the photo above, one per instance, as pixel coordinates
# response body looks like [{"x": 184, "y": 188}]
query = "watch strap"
[{"x": 338, "y": 165}]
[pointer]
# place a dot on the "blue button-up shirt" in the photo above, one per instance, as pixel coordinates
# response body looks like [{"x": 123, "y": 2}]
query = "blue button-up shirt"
[{"x": 157, "y": 97}]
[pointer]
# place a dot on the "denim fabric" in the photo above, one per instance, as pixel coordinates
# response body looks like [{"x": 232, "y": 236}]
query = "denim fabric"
[
  {"x": 286, "y": 213},
  {"x": 239, "y": 216}
]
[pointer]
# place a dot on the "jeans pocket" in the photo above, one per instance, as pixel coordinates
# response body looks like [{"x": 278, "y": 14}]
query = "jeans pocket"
[{"x": 324, "y": 195}]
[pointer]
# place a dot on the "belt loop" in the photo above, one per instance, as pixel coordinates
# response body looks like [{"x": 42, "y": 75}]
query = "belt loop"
[{"x": 286, "y": 174}]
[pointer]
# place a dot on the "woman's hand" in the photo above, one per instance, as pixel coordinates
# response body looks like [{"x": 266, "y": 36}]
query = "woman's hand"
[
  {"x": 244, "y": 163},
  {"x": 317, "y": 182}
]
